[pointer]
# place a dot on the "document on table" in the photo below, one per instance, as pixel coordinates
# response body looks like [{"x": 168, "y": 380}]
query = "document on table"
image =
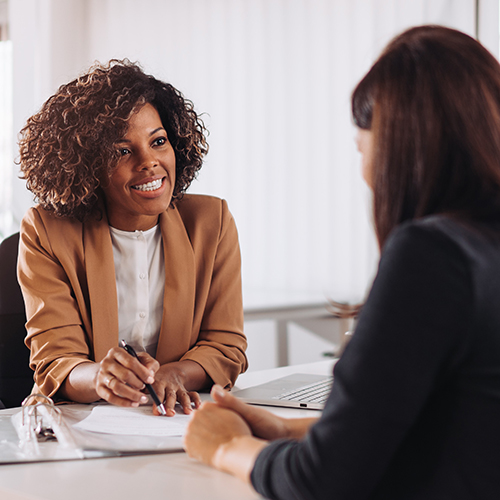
[{"x": 140, "y": 421}]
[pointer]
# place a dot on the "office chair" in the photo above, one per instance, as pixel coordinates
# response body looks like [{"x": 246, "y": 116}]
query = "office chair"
[{"x": 16, "y": 377}]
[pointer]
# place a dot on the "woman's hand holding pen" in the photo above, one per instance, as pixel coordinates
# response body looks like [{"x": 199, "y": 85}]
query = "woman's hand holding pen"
[
  {"x": 174, "y": 381},
  {"x": 121, "y": 378}
]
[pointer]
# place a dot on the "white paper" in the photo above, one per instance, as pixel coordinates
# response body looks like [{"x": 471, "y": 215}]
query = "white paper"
[{"x": 140, "y": 421}]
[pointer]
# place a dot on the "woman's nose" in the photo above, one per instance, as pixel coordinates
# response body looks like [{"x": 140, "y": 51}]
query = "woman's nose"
[{"x": 146, "y": 159}]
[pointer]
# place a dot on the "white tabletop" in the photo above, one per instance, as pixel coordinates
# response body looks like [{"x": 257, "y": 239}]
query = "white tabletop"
[{"x": 167, "y": 475}]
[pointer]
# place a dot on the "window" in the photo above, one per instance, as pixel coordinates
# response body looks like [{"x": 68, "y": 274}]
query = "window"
[{"x": 6, "y": 137}]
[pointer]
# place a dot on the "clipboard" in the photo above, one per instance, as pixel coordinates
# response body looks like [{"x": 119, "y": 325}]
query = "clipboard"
[{"x": 41, "y": 431}]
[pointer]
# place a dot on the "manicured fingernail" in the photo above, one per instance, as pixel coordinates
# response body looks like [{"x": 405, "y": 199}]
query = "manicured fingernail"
[
  {"x": 144, "y": 399},
  {"x": 150, "y": 380},
  {"x": 135, "y": 405}
]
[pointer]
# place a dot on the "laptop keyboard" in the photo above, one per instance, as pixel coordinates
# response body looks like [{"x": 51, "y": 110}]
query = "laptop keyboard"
[{"x": 312, "y": 393}]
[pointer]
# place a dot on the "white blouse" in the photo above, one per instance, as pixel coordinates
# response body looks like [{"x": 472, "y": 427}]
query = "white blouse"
[{"x": 140, "y": 285}]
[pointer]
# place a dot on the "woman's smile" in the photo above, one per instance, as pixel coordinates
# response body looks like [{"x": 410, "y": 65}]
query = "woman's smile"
[{"x": 149, "y": 186}]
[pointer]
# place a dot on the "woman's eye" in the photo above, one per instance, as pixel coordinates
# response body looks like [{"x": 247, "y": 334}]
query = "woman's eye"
[
  {"x": 123, "y": 151},
  {"x": 160, "y": 141}
]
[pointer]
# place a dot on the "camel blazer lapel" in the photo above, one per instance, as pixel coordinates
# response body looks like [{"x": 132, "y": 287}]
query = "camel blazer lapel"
[
  {"x": 180, "y": 284},
  {"x": 100, "y": 269}
]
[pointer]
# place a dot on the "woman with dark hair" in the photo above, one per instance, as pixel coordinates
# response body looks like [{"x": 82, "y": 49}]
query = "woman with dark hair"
[
  {"x": 116, "y": 250},
  {"x": 415, "y": 404}
]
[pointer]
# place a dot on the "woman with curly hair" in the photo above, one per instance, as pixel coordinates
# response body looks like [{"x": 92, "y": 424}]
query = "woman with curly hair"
[
  {"x": 115, "y": 250},
  {"x": 415, "y": 404}
]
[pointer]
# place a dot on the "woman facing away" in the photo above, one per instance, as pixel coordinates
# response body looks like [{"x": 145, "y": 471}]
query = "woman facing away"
[
  {"x": 115, "y": 250},
  {"x": 415, "y": 405}
]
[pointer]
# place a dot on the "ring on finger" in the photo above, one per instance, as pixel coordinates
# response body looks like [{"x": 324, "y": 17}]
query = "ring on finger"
[{"x": 107, "y": 381}]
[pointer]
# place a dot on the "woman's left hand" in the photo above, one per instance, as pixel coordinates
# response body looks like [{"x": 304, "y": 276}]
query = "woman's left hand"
[
  {"x": 221, "y": 438},
  {"x": 172, "y": 383},
  {"x": 210, "y": 427}
]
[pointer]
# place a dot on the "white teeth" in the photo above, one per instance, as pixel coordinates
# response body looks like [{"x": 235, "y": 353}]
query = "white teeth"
[{"x": 149, "y": 186}]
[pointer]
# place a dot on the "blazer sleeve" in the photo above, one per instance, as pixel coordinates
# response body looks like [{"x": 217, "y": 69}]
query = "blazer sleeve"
[
  {"x": 56, "y": 335},
  {"x": 221, "y": 344}
]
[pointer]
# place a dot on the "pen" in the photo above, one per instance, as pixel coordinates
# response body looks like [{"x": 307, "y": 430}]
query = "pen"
[{"x": 149, "y": 387}]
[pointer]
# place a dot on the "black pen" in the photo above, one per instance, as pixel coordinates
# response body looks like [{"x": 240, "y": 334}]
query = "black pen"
[{"x": 149, "y": 387}]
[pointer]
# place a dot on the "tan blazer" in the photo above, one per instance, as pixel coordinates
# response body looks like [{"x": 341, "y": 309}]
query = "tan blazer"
[{"x": 66, "y": 272}]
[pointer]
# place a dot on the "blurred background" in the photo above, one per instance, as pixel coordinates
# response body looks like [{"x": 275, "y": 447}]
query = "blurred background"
[{"x": 273, "y": 80}]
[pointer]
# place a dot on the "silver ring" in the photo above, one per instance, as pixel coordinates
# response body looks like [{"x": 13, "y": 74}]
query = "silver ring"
[{"x": 107, "y": 381}]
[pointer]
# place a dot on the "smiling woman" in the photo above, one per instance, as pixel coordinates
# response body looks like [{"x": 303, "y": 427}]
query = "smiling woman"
[{"x": 115, "y": 250}]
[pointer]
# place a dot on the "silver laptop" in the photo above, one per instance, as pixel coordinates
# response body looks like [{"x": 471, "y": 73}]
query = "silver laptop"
[{"x": 300, "y": 390}]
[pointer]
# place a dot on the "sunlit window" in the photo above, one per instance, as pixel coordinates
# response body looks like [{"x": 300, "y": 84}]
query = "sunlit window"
[
  {"x": 6, "y": 138},
  {"x": 5, "y": 127}
]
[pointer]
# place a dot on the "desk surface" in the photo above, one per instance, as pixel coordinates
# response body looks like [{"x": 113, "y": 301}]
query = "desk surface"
[{"x": 167, "y": 475}]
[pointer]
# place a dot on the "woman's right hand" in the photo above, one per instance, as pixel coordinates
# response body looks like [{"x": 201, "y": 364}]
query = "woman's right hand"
[
  {"x": 263, "y": 423},
  {"x": 120, "y": 378}
]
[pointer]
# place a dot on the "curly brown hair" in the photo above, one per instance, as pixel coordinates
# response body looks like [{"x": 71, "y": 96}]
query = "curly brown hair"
[{"x": 69, "y": 145}]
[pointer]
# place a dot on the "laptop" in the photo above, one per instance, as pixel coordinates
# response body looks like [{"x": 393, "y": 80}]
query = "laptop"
[{"x": 299, "y": 390}]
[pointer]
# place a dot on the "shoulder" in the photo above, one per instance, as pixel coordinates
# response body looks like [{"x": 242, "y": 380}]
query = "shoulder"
[
  {"x": 443, "y": 235},
  {"x": 198, "y": 210},
  {"x": 201, "y": 204},
  {"x": 436, "y": 231},
  {"x": 39, "y": 217},
  {"x": 427, "y": 245},
  {"x": 439, "y": 245},
  {"x": 39, "y": 225},
  {"x": 206, "y": 220}
]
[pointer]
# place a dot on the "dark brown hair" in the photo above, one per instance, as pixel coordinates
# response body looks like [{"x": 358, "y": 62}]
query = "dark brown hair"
[
  {"x": 69, "y": 145},
  {"x": 432, "y": 101}
]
